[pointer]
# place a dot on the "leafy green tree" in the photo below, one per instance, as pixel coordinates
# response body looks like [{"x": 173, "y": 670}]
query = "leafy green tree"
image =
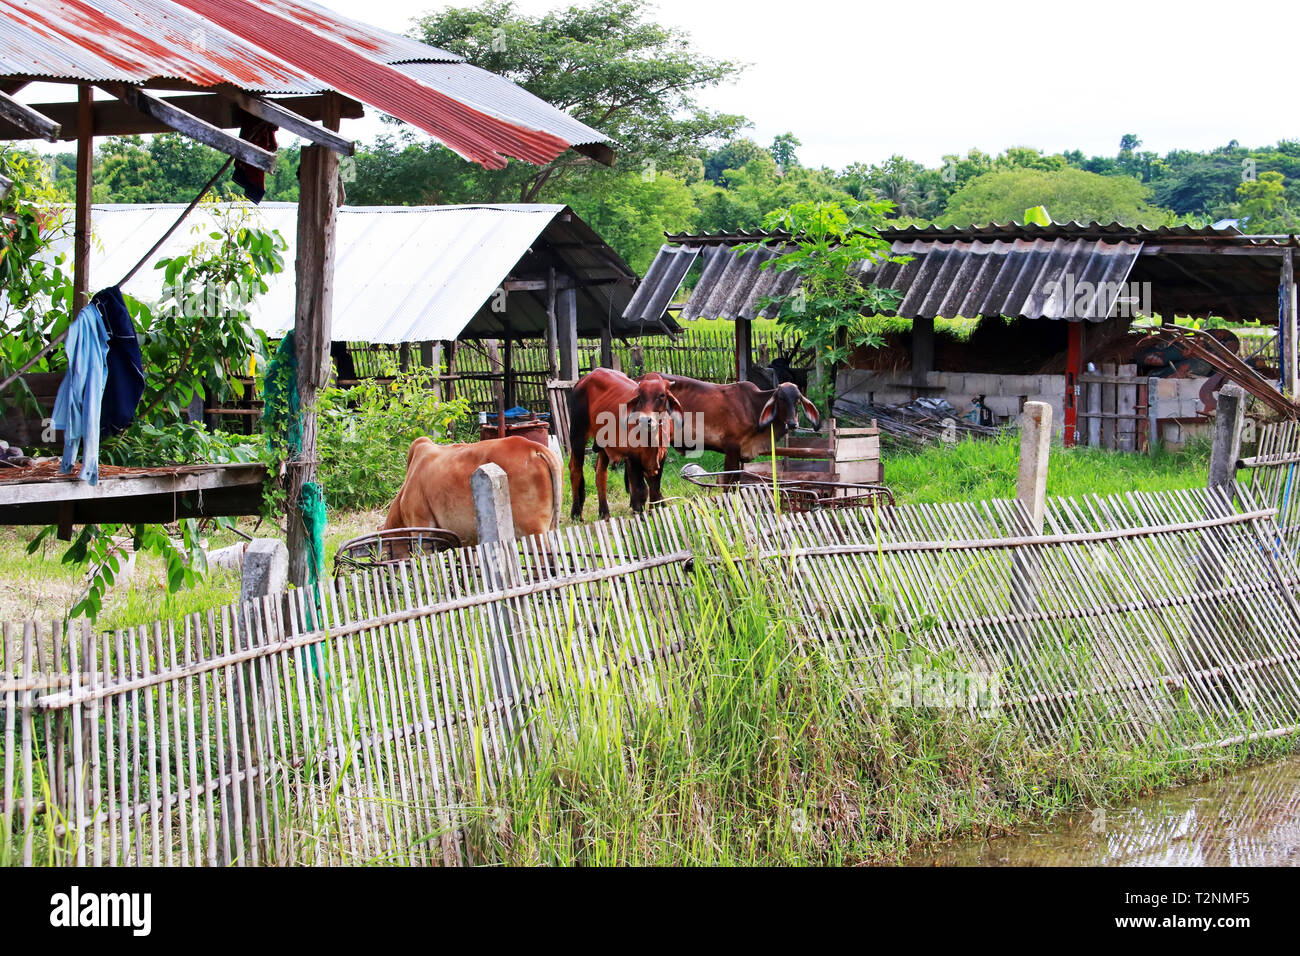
[
  {"x": 632, "y": 212},
  {"x": 783, "y": 151},
  {"x": 758, "y": 188},
  {"x": 732, "y": 156},
  {"x": 829, "y": 307},
  {"x": 1263, "y": 203},
  {"x": 607, "y": 64},
  {"x": 1068, "y": 194}
]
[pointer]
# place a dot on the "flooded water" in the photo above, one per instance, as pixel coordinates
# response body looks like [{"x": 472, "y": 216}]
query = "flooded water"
[{"x": 1251, "y": 818}]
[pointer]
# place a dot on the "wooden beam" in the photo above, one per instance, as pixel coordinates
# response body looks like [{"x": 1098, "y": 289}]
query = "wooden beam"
[
  {"x": 24, "y": 117},
  {"x": 115, "y": 118},
  {"x": 83, "y": 199},
  {"x": 318, "y": 177},
  {"x": 1234, "y": 250},
  {"x": 192, "y": 126},
  {"x": 290, "y": 122}
]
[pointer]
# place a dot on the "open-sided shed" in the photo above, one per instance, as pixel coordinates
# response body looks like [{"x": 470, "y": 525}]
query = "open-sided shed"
[
  {"x": 288, "y": 63},
  {"x": 1082, "y": 275}
]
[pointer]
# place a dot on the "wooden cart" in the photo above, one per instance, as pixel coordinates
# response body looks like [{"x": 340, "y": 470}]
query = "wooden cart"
[{"x": 846, "y": 455}]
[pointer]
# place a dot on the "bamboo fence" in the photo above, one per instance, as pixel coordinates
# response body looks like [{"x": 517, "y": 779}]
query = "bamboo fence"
[
  {"x": 374, "y": 726},
  {"x": 1274, "y": 479}
]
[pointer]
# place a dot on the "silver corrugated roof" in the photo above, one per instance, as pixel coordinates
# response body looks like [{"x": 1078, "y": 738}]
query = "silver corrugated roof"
[
  {"x": 401, "y": 274},
  {"x": 1020, "y": 278}
]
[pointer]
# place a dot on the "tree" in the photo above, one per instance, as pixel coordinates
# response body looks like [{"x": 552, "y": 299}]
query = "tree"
[
  {"x": 1264, "y": 205},
  {"x": 758, "y": 188},
  {"x": 783, "y": 151},
  {"x": 732, "y": 156},
  {"x": 606, "y": 64},
  {"x": 1067, "y": 193},
  {"x": 829, "y": 307},
  {"x": 632, "y": 212}
]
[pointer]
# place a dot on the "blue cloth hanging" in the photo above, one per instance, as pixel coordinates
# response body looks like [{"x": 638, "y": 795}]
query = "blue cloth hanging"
[
  {"x": 81, "y": 394},
  {"x": 124, "y": 384}
]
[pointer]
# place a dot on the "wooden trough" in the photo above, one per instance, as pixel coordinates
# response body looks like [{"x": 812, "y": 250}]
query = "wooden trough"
[{"x": 846, "y": 455}]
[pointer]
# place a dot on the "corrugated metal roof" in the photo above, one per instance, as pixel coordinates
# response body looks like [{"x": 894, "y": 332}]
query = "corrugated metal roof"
[
  {"x": 1021, "y": 278},
  {"x": 497, "y": 96},
  {"x": 401, "y": 274},
  {"x": 281, "y": 46},
  {"x": 1113, "y": 231}
]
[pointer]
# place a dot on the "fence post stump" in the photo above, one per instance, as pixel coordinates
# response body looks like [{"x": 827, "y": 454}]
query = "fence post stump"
[
  {"x": 1229, "y": 415},
  {"x": 1031, "y": 494},
  {"x": 1035, "y": 450},
  {"x": 496, "y": 536}
]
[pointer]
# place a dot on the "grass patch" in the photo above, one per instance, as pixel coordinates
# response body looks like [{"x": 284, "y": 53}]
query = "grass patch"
[{"x": 759, "y": 751}]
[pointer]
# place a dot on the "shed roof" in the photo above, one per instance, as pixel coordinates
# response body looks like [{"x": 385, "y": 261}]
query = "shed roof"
[
  {"x": 406, "y": 273},
  {"x": 1001, "y": 269},
  {"x": 290, "y": 47}
]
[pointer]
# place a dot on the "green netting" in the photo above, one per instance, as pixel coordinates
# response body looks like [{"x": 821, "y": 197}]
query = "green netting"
[{"x": 281, "y": 409}]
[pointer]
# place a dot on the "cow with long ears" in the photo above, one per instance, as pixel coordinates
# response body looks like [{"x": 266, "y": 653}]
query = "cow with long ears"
[
  {"x": 740, "y": 420},
  {"x": 630, "y": 422}
]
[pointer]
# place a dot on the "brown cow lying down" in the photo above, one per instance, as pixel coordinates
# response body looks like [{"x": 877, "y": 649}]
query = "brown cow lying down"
[{"x": 436, "y": 492}]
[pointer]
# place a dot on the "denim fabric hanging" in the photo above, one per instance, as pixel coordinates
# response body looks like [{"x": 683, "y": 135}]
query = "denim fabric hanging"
[{"x": 77, "y": 406}]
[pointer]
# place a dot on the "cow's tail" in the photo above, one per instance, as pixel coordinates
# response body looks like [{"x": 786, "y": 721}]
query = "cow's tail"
[{"x": 557, "y": 485}]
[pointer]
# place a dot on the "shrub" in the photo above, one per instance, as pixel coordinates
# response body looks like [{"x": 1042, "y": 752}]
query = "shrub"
[{"x": 365, "y": 431}]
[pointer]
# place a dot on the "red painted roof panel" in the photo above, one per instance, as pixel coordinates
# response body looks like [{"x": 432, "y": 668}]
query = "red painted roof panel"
[{"x": 277, "y": 46}]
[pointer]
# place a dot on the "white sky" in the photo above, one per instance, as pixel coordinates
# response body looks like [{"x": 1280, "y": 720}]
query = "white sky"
[{"x": 860, "y": 81}]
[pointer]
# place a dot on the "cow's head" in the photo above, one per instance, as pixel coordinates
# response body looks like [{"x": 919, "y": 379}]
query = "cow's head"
[
  {"x": 650, "y": 416},
  {"x": 782, "y": 409}
]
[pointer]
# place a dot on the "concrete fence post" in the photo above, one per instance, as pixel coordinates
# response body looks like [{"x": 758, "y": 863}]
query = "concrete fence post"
[
  {"x": 1031, "y": 493},
  {"x": 496, "y": 536},
  {"x": 1229, "y": 416},
  {"x": 1035, "y": 450}
]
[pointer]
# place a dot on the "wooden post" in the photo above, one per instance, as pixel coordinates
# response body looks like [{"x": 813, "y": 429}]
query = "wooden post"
[
  {"x": 404, "y": 357},
  {"x": 606, "y": 348},
  {"x": 552, "y": 326},
  {"x": 1229, "y": 415},
  {"x": 1290, "y": 327},
  {"x": 1093, "y": 391},
  {"x": 449, "y": 386},
  {"x": 512, "y": 380},
  {"x": 567, "y": 332},
  {"x": 313, "y": 320},
  {"x": 1153, "y": 414},
  {"x": 1073, "y": 369},
  {"x": 922, "y": 349},
  {"x": 84, "y": 191},
  {"x": 744, "y": 348}
]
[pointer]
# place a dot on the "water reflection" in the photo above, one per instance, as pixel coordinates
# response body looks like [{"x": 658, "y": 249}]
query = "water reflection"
[{"x": 1249, "y": 819}]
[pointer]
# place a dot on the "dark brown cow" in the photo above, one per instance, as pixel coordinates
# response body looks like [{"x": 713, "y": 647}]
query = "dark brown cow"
[
  {"x": 630, "y": 422},
  {"x": 740, "y": 420},
  {"x": 436, "y": 492}
]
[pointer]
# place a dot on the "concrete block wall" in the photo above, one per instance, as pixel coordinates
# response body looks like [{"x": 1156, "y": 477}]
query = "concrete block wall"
[{"x": 1005, "y": 394}]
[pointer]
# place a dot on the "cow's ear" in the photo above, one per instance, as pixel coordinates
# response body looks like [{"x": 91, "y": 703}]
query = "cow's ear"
[
  {"x": 811, "y": 411},
  {"x": 768, "y": 414}
]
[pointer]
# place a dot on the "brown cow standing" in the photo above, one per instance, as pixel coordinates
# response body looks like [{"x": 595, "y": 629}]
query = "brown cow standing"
[
  {"x": 740, "y": 420},
  {"x": 436, "y": 492},
  {"x": 630, "y": 422}
]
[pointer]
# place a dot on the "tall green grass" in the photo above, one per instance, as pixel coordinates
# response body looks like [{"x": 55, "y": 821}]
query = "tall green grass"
[{"x": 759, "y": 750}]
